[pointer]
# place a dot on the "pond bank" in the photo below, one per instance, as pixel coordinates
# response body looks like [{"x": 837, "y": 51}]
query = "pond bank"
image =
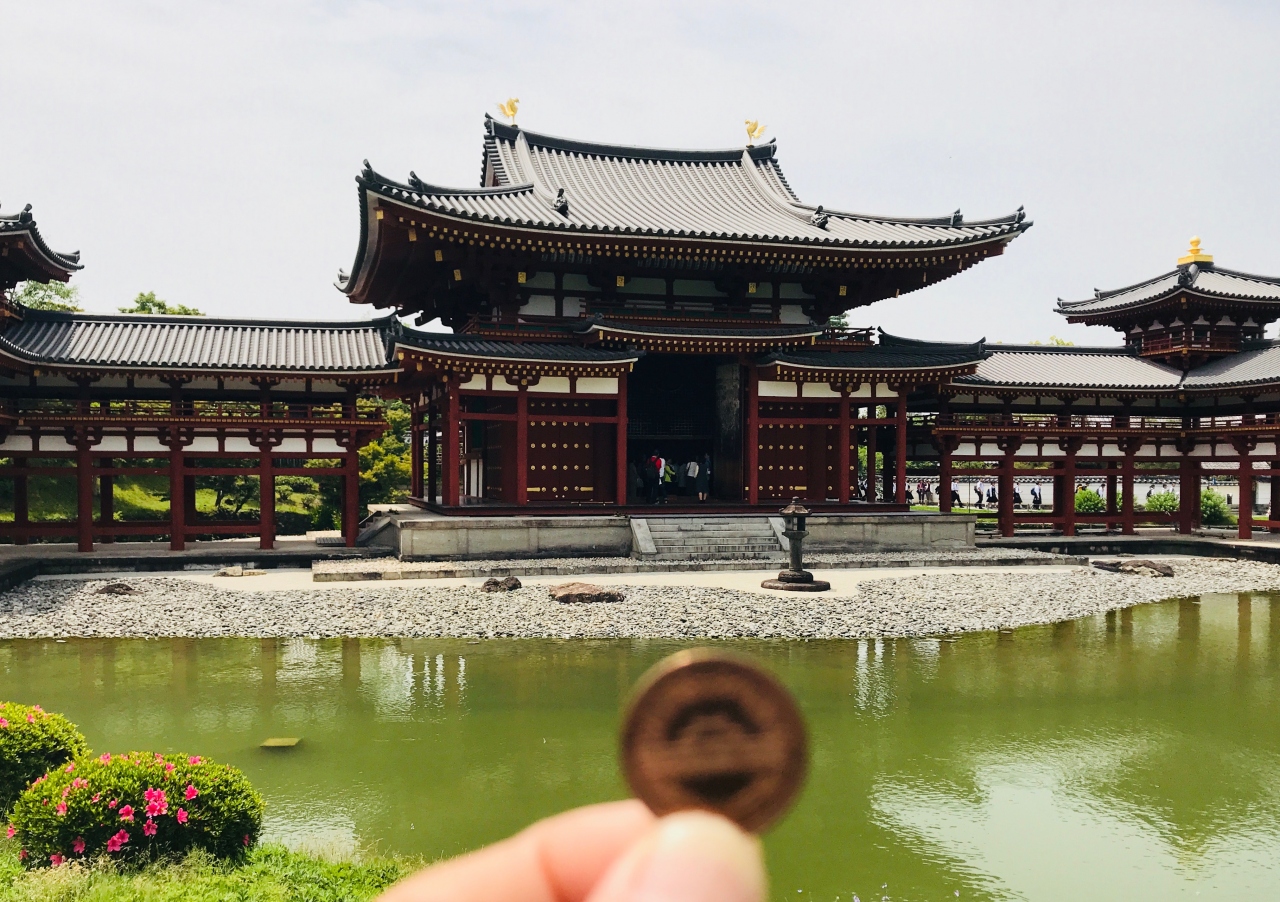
[{"x": 667, "y": 606}]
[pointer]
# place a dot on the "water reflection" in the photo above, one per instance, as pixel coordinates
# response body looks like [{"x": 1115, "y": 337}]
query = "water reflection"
[{"x": 1131, "y": 754}]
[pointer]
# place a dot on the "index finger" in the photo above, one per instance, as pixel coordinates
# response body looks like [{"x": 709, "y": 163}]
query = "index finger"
[{"x": 556, "y": 860}]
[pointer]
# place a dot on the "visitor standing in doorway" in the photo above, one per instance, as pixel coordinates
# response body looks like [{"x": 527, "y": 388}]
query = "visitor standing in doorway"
[{"x": 702, "y": 479}]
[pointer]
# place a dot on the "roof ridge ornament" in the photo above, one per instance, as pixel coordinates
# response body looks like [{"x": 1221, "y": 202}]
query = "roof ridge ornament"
[
  {"x": 754, "y": 131},
  {"x": 1195, "y": 254},
  {"x": 508, "y": 108},
  {"x": 561, "y": 203},
  {"x": 819, "y": 218},
  {"x": 957, "y": 218}
]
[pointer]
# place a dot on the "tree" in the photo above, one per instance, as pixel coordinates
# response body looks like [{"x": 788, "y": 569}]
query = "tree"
[
  {"x": 1213, "y": 510},
  {"x": 385, "y": 468},
  {"x": 1056, "y": 342},
  {"x": 147, "y": 302},
  {"x": 51, "y": 296},
  {"x": 1089, "y": 502},
  {"x": 840, "y": 321}
]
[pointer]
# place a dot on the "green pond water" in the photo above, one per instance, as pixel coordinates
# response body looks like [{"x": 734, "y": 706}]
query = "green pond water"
[{"x": 1128, "y": 756}]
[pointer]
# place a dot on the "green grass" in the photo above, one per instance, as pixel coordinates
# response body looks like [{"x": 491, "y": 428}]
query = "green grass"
[
  {"x": 269, "y": 873},
  {"x": 136, "y": 498}
]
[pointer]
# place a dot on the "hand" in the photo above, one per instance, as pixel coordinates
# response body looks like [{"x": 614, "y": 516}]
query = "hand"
[{"x": 615, "y": 852}]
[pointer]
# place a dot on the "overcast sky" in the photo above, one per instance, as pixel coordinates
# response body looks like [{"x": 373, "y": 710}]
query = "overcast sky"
[{"x": 207, "y": 151}]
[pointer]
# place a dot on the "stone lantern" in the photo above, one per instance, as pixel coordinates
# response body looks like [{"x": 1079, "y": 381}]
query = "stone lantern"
[{"x": 796, "y": 578}]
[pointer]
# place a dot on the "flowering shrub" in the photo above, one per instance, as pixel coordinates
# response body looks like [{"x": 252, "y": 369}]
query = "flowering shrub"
[
  {"x": 32, "y": 742},
  {"x": 1090, "y": 502},
  {"x": 136, "y": 807}
]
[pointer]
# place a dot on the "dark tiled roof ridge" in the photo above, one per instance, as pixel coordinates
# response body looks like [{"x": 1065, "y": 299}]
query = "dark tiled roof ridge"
[
  {"x": 1101, "y": 350},
  {"x": 902, "y": 344},
  {"x": 505, "y": 132},
  {"x": 24, "y": 222},
  {"x": 764, "y": 330},
  {"x": 1193, "y": 286},
  {"x": 1103, "y": 295}
]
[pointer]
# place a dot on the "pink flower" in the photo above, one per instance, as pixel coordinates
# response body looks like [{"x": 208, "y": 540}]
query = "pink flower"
[
  {"x": 22, "y": 854},
  {"x": 105, "y": 757},
  {"x": 182, "y": 817},
  {"x": 38, "y": 708},
  {"x": 126, "y": 812},
  {"x": 71, "y": 767},
  {"x": 56, "y": 860},
  {"x": 149, "y": 828},
  {"x": 9, "y": 831},
  {"x": 169, "y": 767},
  {"x": 96, "y": 796},
  {"x": 77, "y": 845},
  {"x": 246, "y": 839},
  {"x": 157, "y": 808},
  {"x": 61, "y": 809},
  {"x": 114, "y": 802},
  {"x": 191, "y": 792},
  {"x": 79, "y": 783},
  {"x": 66, "y": 791},
  {"x": 4, "y": 724},
  {"x": 31, "y": 718},
  {"x": 194, "y": 759},
  {"x": 115, "y": 842}
]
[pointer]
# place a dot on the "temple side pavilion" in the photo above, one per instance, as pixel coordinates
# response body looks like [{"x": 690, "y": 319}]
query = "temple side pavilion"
[{"x": 610, "y": 301}]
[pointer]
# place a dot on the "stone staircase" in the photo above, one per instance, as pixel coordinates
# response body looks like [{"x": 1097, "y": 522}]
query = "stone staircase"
[{"x": 707, "y": 538}]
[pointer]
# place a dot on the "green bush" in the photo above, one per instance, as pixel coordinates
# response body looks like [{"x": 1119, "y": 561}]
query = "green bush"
[
  {"x": 32, "y": 742},
  {"x": 1213, "y": 510},
  {"x": 1163, "y": 503},
  {"x": 136, "y": 808},
  {"x": 1090, "y": 502}
]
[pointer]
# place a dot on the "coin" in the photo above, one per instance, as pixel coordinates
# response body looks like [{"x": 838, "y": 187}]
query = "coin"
[{"x": 713, "y": 731}]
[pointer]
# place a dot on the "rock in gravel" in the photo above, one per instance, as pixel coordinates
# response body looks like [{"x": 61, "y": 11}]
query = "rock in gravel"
[
  {"x": 583, "y": 593},
  {"x": 507, "y": 584},
  {"x": 116, "y": 589},
  {"x": 233, "y": 570},
  {"x": 510, "y": 584},
  {"x": 1136, "y": 566}
]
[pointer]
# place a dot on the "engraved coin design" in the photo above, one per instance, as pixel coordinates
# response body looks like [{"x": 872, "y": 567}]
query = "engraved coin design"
[{"x": 713, "y": 731}]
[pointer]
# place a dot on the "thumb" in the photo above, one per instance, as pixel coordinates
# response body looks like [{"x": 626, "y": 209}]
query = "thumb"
[{"x": 692, "y": 856}]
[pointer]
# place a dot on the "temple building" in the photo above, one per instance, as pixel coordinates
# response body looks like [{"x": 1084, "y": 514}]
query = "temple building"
[{"x": 612, "y": 302}]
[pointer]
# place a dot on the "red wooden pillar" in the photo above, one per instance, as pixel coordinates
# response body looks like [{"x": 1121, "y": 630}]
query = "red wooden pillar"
[
  {"x": 415, "y": 450},
  {"x": 1246, "y": 498},
  {"x": 449, "y": 452},
  {"x": 351, "y": 495},
  {"x": 522, "y": 446},
  {"x": 266, "y": 498},
  {"x": 1126, "y": 502},
  {"x": 1188, "y": 495},
  {"x": 752, "y": 473},
  {"x": 1005, "y": 501},
  {"x": 844, "y": 439},
  {"x": 1068, "y": 493},
  {"x": 84, "y": 496},
  {"x": 900, "y": 474},
  {"x": 21, "y": 509},
  {"x": 106, "y": 497},
  {"x": 620, "y": 443},
  {"x": 177, "y": 499}
]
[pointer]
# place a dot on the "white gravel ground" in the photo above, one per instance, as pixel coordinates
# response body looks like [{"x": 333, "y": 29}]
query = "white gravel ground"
[{"x": 924, "y": 604}]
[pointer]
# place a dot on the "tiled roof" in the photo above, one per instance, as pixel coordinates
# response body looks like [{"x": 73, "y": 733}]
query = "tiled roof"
[
  {"x": 892, "y": 353},
  {"x": 198, "y": 343},
  {"x": 1204, "y": 279},
  {"x": 39, "y": 262},
  {"x": 1258, "y": 362},
  {"x": 727, "y": 194},
  {"x": 1070, "y": 367},
  {"x": 763, "y": 332},
  {"x": 472, "y": 346}
]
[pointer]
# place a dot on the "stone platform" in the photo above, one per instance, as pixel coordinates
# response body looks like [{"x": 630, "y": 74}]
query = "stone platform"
[{"x": 414, "y": 534}]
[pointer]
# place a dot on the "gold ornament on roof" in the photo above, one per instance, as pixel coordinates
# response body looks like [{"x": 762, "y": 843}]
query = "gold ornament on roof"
[
  {"x": 1195, "y": 254},
  {"x": 508, "y": 108},
  {"x": 754, "y": 130}
]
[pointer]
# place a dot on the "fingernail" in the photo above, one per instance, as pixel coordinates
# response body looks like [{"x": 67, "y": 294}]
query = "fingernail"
[{"x": 699, "y": 857}]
